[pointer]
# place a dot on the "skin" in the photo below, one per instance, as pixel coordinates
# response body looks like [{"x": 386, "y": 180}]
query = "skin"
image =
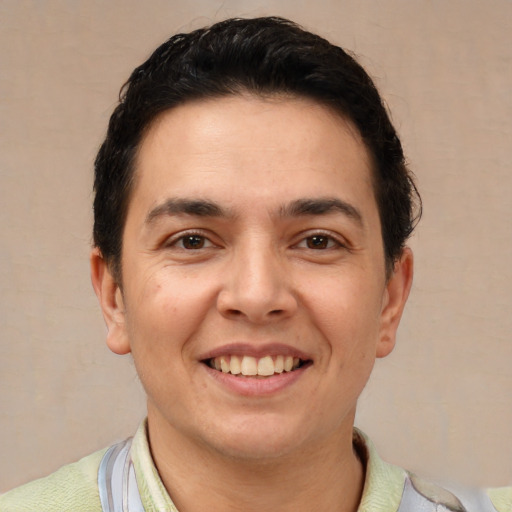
[{"x": 263, "y": 273}]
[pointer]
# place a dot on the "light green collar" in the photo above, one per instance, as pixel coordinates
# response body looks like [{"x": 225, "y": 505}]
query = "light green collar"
[{"x": 382, "y": 492}]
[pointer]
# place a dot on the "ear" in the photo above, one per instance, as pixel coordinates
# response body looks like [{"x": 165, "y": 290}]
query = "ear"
[
  {"x": 111, "y": 301},
  {"x": 395, "y": 296}
]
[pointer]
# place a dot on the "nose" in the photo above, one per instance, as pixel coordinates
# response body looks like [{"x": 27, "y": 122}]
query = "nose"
[{"x": 257, "y": 287}]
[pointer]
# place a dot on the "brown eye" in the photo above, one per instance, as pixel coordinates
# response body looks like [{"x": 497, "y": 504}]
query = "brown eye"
[
  {"x": 318, "y": 242},
  {"x": 193, "y": 242}
]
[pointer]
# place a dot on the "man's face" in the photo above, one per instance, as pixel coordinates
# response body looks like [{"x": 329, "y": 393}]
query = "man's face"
[{"x": 252, "y": 243}]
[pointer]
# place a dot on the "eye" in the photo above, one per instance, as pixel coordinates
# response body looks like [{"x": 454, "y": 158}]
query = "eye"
[
  {"x": 192, "y": 241},
  {"x": 319, "y": 241}
]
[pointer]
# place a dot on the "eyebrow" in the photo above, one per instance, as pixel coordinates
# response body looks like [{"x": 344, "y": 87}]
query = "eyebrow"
[
  {"x": 195, "y": 207},
  {"x": 297, "y": 208},
  {"x": 321, "y": 206}
]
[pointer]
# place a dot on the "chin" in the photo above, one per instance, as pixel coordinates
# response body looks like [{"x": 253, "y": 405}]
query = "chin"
[
  {"x": 258, "y": 440},
  {"x": 260, "y": 450}
]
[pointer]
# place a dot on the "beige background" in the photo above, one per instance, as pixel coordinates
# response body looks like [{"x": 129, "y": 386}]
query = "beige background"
[{"x": 442, "y": 403}]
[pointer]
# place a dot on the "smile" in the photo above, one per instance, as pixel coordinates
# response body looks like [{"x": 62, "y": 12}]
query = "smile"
[{"x": 248, "y": 366}]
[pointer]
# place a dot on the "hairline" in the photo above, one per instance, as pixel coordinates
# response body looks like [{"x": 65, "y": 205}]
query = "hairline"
[{"x": 115, "y": 261}]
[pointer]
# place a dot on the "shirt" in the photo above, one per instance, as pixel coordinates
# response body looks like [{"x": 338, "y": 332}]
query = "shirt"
[{"x": 387, "y": 488}]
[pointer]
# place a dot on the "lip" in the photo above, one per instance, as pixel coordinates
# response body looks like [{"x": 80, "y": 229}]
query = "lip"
[
  {"x": 258, "y": 351},
  {"x": 252, "y": 386}
]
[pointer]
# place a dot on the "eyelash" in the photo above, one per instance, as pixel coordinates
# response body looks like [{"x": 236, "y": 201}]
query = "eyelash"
[
  {"x": 332, "y": 242},
  {"x": 175, "y": 242}
]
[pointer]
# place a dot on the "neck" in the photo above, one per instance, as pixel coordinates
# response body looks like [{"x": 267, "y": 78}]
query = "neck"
[{"x": 326, "y": 475}]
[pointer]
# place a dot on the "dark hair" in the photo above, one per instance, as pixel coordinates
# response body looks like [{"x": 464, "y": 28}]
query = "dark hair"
[{"x": 263, "y": 56}]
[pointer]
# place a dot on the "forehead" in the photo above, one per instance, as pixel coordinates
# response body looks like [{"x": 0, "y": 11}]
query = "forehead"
[{"x": 260, "y": 140}]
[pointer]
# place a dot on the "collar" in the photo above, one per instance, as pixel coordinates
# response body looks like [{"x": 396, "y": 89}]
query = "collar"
[{"x": 382, "y": 492}]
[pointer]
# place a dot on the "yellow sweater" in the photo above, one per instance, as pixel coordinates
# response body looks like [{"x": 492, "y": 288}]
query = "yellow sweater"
[{"x": 74, "y": 488}]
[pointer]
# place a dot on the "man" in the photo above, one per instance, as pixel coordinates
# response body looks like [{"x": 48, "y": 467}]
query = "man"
[{"x": 251, "y": 213}]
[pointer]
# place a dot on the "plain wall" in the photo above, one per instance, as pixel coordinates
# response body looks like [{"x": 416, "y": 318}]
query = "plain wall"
[{"x": 441, "y": 404}]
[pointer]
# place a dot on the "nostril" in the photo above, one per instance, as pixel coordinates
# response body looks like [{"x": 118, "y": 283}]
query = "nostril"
[{"x": 237, "y": 313}]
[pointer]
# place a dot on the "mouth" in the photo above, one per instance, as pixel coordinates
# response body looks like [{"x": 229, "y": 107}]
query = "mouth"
[{"x": 256, "y": 367}]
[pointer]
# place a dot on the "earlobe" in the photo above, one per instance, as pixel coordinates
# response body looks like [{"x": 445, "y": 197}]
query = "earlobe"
[
  {"x": 395, "y": 296},
  {"x": 111, "y": 301}
]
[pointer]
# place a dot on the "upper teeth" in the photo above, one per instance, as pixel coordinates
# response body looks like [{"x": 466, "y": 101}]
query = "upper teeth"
[{"x": 248, "y": 365}]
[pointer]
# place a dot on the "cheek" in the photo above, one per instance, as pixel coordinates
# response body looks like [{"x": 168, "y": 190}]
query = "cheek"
[
  {"x": 346, "y": 305},
  {"x": 167, "y": 311},
  {"x": 348, "y": 316}
]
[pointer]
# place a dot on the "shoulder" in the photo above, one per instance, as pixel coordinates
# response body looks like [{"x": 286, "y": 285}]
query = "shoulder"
[
  {"x": 72, "y": 488},
  {"x": 501, "y": 498},
  {"x": 390, "y": 488},
  {"x": 422, "y": 495}
]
